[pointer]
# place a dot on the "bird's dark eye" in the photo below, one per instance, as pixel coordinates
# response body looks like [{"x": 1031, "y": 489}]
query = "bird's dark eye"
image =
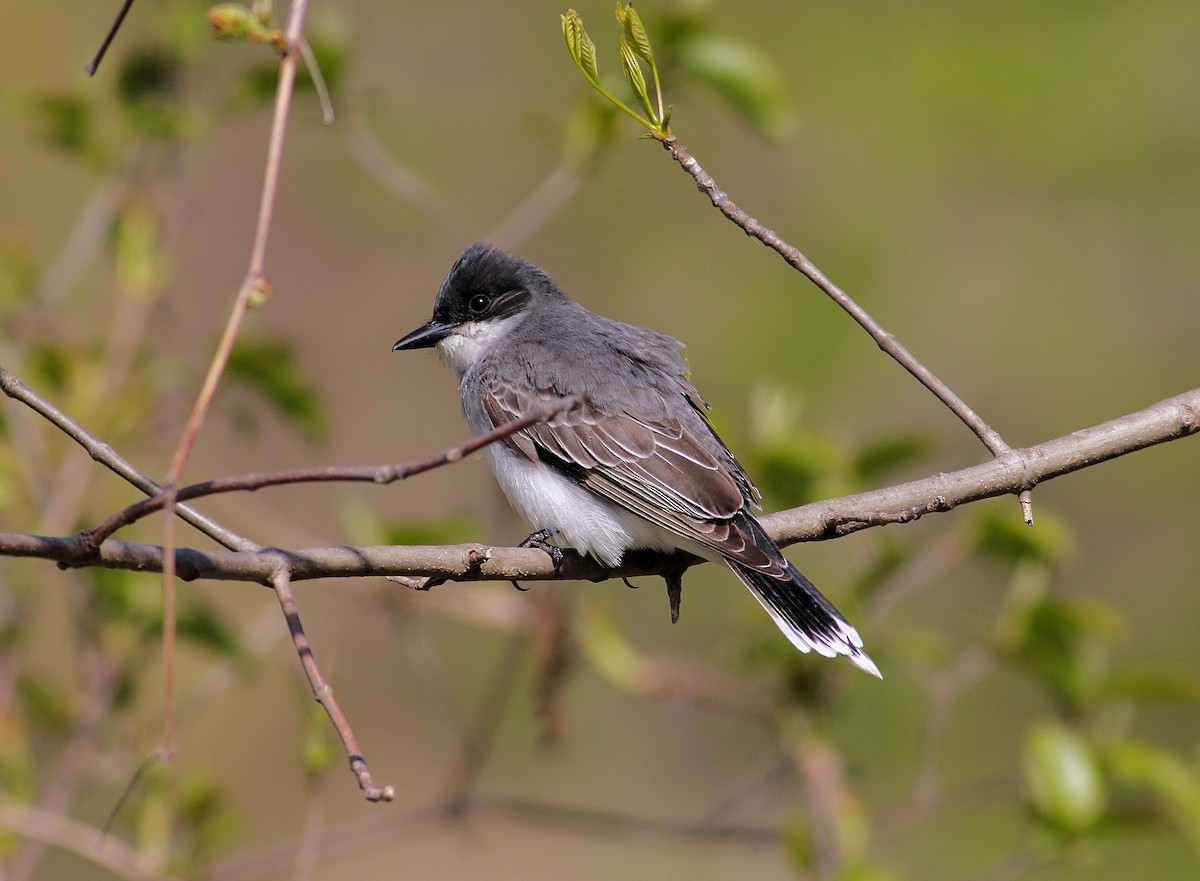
[{"x": 479, "y": 303}]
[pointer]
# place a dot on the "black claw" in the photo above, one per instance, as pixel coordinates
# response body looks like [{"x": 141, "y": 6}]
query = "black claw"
[
  {"x": 629, "y": 584},
  {"x": 517, "y": 585}
]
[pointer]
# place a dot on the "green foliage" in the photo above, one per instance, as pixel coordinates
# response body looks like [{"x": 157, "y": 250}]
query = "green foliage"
[
  {"x": 267, "y": 366},
  {"x": 1008, "y": 539},
  {"x": 65, "y": 122},
  {"x": 633, "y": 46},
  {"x": 1065, "y": 786}
]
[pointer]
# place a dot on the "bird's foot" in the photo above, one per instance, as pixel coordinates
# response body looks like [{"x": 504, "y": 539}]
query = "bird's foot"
[{"x": 541, "y": 541}]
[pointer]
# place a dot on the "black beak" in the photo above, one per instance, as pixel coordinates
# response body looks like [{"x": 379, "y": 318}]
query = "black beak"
[{"x": 429, "y": 334}]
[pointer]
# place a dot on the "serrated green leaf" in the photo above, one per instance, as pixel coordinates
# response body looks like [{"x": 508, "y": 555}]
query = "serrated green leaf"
[
  {"x": 634, "y": 32},
  {"x": 633, "y": 76},
  {"x": 581, "y": 47},
  {"x": 268, "y": 366},
  {"x": 1065, "y": 786}
]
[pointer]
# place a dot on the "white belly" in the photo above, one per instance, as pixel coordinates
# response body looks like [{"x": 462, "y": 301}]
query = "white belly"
[{"x": 585, "y": 522}]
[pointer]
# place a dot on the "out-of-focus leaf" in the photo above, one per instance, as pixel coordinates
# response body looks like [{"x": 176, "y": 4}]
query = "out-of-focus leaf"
[
  {"x": 268, "y": 367},
  {"x": 864, "y": 872},
  {"x": 590, "y": 126},
  {"x": 150, "y": 86},
  {"x": 330, "y": 44},
  {"x": 47, "y": 367},
  {"x": 1001, "y": 533},
  {"x": 1162, "y": 685},
  {"x": 746, "y": 78},
  {"x": 320, "y": 749},
  {"x": 198, "y": 623},
  {"x": 1066, "y": 642},
  {"x": 607, "y": 650},
  {"x": 137, "y": 253},
  {"x": 791, "y": 473},
  {"x": 150, "y": 75},
  {"x": 1065, "y": 786},
  {"x": 46, "y": 704},
  {"x": 18, "y": 276},
  {"x": 1173, "y": 781},
  {"x": 66, "y": 122},
  {"x": 796, "y": 837},
  {"x": 877, "y": 459}
]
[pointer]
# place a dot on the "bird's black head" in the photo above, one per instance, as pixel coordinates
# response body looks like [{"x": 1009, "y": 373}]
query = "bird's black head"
[{"x": 485, "y": 284}]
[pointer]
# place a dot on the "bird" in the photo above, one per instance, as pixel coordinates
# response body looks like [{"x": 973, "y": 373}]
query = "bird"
[{"x": 636, "y": 464}]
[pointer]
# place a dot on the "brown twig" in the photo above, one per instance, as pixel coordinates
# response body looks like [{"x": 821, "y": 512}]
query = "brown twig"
[
  {"x": 92, "y": 66},
  {"x": 886, "y": 341},
  {"x": 112, "y": 460},
  {"x": 282, "y": 583},
  {"x": 254, "y": 285},
  {"x": 379, "y": 474}
]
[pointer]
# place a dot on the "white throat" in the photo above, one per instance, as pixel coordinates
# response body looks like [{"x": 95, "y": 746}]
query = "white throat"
[{"x": 473, "y": 340}]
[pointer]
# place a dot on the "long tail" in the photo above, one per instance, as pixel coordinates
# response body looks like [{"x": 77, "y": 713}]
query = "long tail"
[{"x": 806, "y": 618}]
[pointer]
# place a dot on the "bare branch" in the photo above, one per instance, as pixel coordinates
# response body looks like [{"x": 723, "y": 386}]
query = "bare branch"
[
  {"x": 888, "y": 343},
  {"x": 380, "y": 474},
  {"x": 282, "y": 583},
  {"x": 1167, "y": 420}
]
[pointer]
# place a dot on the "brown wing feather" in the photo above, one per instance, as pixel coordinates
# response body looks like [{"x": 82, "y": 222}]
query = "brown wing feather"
[{"x": 656, "y": 469}]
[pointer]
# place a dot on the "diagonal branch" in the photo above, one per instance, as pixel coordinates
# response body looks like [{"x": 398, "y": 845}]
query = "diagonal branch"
[
  {"x": 886, "y": 341},
  {"x": 281, "y": 581}
]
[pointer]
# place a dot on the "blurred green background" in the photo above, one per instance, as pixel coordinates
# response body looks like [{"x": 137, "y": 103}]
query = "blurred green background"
[{"x": 1010, "y": 187}]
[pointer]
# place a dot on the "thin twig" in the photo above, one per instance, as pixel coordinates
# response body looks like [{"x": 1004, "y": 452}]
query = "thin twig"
[
  {"x": 112, "y": 460},
  {"x": 886, "y": 341},
  {"x": 282, "y": 583},
  {"x": 254, "y": 284},
  {"x": 379, "y": 474},
  {"x": 94, "y": 64}
]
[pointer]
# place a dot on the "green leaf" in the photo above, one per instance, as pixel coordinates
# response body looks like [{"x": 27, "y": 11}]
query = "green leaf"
[
  {"x": 268, "y": 366},
  {"x": 633, "y": 31},
  {"x": 198, "y": 623},
  {"x": 1172, "y": 780},
  {"x": 746, "y": 78},
  {"x": 876, "y": 460},
  {"x": 1064, "y": 782},
  {"x": 581, "y": 47},
  {"x": 634, "y": 76},
  {"x": 66, "y": 122},
  {"x": 1002, "y": 533}
]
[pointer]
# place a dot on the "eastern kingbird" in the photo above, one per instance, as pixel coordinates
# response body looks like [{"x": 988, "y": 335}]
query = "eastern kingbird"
[{"x": 637, "y": 464}]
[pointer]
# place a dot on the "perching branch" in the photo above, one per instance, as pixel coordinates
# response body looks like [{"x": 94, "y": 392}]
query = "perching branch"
[{"x": 1011, "y": 472}]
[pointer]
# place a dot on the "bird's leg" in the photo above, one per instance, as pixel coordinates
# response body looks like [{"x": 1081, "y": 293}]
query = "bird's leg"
[{"x": 541, "y": 541}]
